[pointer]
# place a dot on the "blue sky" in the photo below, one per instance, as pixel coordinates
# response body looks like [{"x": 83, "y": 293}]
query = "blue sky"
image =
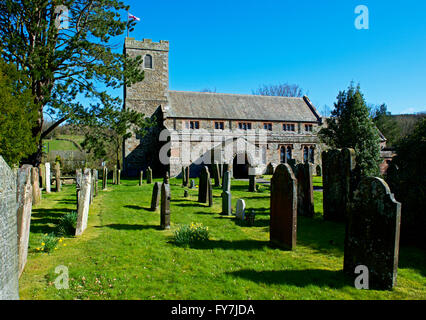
[{"x": 235, "y": 46}]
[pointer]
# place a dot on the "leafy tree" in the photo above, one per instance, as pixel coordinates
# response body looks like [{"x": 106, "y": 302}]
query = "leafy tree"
[
  {"x": 387, "y": 124},
  {"x": 408, "y": 182},
  {"x": 70, "y": 61},
  {"x": 18, "y": 115},
  {"x": 281, "y": 90},
  {"x": 111, "y": 129},
  {"x": 350, "y": 126}
]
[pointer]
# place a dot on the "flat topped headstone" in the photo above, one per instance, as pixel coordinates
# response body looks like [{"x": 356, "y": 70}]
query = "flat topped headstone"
[
  {"x": 226, "y": 194},
  {"x": 305, "y": 191},
  {"x": 372, "y": 233},
  {"x": 210, "y": 192},
  {"x": 240, "y": 209},
  {"x": 9, "y": 262},
  {"x": 48, "y": 177},
  {"x": 58, "y": 176},
  {"x": 105, "y": 178},
  {"x": 84, "y": 202},
  {"x": 155, "y": 199},
  {"x": 216, "y": 174},
  {"x": 283, "y": 216},
  {"x": 203, "y": 185},
  {"x": 252, "y": 183}
]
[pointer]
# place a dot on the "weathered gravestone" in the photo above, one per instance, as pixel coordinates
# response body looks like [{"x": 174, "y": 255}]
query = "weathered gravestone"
[
  {"x": 210, "y": 192},
  {"x": 192, "y": 184},
  {"x": 35, "y": 184},
  {"x": 283, "y": 216},
  {"x": 226, "y": 194},
  {"x": 292, "y": 163},
  {"x": 216, "y": 174},
  {"x": 155, "y": 199},
  {"x": 92, "y": 187},
  {"x": 184, "y": 177},
  {"x": 240, "y": 211},
  {"x": 187, "y": 175},
  {"x": 338, "y": 166},
  {"x": 58, "y": 176},
  {"x": 149, "y": 175},
  {"x": 119, "y": 177},
  {"x": 203, "y": 188},
  {"x": 43, "y": 175},
  {"x": 141, "y": 177},
  {"x": 305, "y": 191},
  {"x": 24, "y": 201},
  {"x": 318, "y": 171},
  {"x": 185, "y": 193},
  {"x": 95, "y": 180},
  {"x": 114, "y": 175},
  {"x": 252, "y": 183},
  {"x": 105, "y": 179},
  {"x": 165, "y": 204},
  {"x": 48, "y": 177},
  {"x": 9, "y": 265},
  {"x": 372, "y": 233},
  {"x": 270, "y": 168},
  {"x": 78, "y": 181},
  {"x": 84, "y": 203}
]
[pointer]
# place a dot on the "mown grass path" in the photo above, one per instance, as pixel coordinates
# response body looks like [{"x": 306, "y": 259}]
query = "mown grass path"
[{"x": 124, "y": 255}]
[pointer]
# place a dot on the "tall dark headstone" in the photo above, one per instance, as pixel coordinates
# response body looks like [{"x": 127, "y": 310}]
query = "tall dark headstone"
[
  {"x": 165, "y": 204},
  {"x": 252, "y": 183},
  {"x": 283, "y": 216},
  {"x": 141, "y": 177},
  {"x": 187, "y": 175},
  {"x": 372, "y": 233},
  {"x": 226, "y": 194},
  {"x": 210, "y": 192},
  {"x": 155, "y": 199},
  {"x": 338, "y": 167},
  {"x": 305, "y": 190},
  {"x": 105, "y": 179},
  {"x": 216, "y": 174},
  {"x": 318, "y": 171},
  {"x": 184, "y": 182},
  {"x": 9, "y": 262},
  {"x": 96, "y": 181},
  {"x": 149, "y": 175},
  {"x": 203, "y": 189},
  {"x": 58, "y": 176}
]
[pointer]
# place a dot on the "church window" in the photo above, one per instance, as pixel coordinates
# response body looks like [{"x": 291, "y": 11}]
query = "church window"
[
  {"x": 308, "y": 127},
  {"x": 289, "y": 127},
  {"x": 289, "y": 153},
  {"x": 311, "y": 154},
  {"x": 194, "y": 125},
  {"x": 244, "y": 125},
  {"x": 305, "y": 154},
  {"x": 219, "y": 125},
  {"x": 267, "y": 126},
  {"x": 148, "y": 61}
]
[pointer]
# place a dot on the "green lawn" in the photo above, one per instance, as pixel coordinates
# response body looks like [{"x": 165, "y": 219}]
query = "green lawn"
[
  {"x": 63, "y": 145},
  {"x": 124, "y": 255}
]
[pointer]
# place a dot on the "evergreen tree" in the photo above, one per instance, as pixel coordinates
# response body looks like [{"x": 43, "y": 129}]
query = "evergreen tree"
[
  {"x": 350, "y": 126},
  {"x": 387, "y": 125},
  {"x": 18, "y": 115}
]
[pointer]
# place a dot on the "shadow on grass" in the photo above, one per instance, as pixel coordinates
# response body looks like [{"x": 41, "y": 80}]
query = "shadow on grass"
[
  {"x": 412, "y": 258},
  {"x": 298, "y": 278},
  {"x": 130, "y": 227},
  {"x": 137, "y": 207},
  {"x": 230, "y": 245},
  {"x": 45, "y": 220}
]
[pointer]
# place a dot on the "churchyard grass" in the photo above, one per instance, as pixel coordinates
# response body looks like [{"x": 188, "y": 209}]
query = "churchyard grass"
[{"x": 123, "y": 254}]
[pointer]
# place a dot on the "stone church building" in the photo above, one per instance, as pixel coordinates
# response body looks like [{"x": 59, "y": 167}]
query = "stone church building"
[{"x": 248, "y": 132}]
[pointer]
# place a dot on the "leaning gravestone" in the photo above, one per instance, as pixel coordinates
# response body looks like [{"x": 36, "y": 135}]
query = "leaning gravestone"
[
  {"x": 226, "y": 194},
  {"x": 165, "y": 204},
  {"x": 338, "y": 167},
  {"x": 105, "y": 179},
  {"x": 24, "y": 201},
  {"x": 149, "y": 175},
  {"x": 372, "y": 233},
  {"x": 9, "y": 263},
  {"x": 58, "y": 176},
  {"x": 203, "y": 188},
  {"x": 35, "y": 183},
  {"x": 240, "y": 209},
  {"x": 84, "y": 203},
  {"x": 155, "y": 199},
  {"x": 305, "y": 191},
  {"x": 283, "y": 220},
  {"x": 48, "y": 177}
]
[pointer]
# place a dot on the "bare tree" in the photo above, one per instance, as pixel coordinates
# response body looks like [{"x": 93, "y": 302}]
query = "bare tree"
[{"x": 282, "y": 90}]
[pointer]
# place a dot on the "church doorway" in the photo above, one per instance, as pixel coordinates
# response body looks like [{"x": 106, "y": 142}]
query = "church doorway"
[{"x": 241, "y": 170}]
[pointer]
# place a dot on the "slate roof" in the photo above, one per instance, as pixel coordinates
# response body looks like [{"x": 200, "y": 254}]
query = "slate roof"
[{"x": 219, "y": 106}]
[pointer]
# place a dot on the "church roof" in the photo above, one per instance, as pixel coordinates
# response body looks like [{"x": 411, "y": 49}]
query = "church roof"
[{"x": 219, "y": 106}]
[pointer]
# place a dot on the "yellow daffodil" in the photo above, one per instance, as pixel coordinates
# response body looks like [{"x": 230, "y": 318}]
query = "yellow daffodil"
[{"x": 43, "y": 244}]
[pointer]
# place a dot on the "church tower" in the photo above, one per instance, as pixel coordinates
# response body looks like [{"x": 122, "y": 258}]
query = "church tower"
[{"x": 147, "y": 97}]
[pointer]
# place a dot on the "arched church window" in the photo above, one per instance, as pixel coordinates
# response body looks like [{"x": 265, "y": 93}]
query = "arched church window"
[
  {"x": 148, "y": 61},
  {"x": 282, "y": 152},
  {"x": 289, "y": 153},
  {"x": 305, "y": 154},
  {"x": 311, "y": 154}
]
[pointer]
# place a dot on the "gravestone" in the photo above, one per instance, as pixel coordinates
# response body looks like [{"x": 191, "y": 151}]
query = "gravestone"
[
  {"x": 48, "y": 177},
  {"x": 283, "y": 215},
  {"x": 240, "y": 210},
  {"x": 118, "y": 176},
  {"x": 149, "y": 175},
  {"x": 92, "y": 187},
  {"x": 203, "y": 188},
  {"x": 372, "y": 233},
  {"x": 9, "y": 261},
  {"x": 187, "y": 175},
  {"x": 58, "y": 176},
  {"x": 35, "y": 184},
  {"x": 155, "y": 199},
  {"x": 185, "y": 194},
  {"x": 24, "y": 201},
  {"x": 192, "y": 184},
  {"x": 43, "y": 175},
  {"x": 210, "y": 192},
  {"x": 114, "y": 175},
  {"x": 96, "y": 181},
  {"x": 318, "y": 171},
  {"x": 78, "y": 181},
  {"x": 165, "y": 204},
  {"x": 184, "y": 181},
  {"x": 252, "y": 183},
  {"x": 292, "y": 164},
  {"x": 305, "y": 191},
  {"x": 338, "y": 166},
  {"x": 270, "y": 169},
  {"x": 226, "y": 194},
  {"x": 84, "y": 202},
  {"x": 105, "y": 178},
  {"x": 141, "y": 177},
  {"x": 216, "y": 174}
]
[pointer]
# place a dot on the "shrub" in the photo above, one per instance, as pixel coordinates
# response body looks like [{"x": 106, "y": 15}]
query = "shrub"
[
  {"x": 48, "y": 243},
  {"x": 190, "y": 234},
  {"x": 67, "y": 225}
]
